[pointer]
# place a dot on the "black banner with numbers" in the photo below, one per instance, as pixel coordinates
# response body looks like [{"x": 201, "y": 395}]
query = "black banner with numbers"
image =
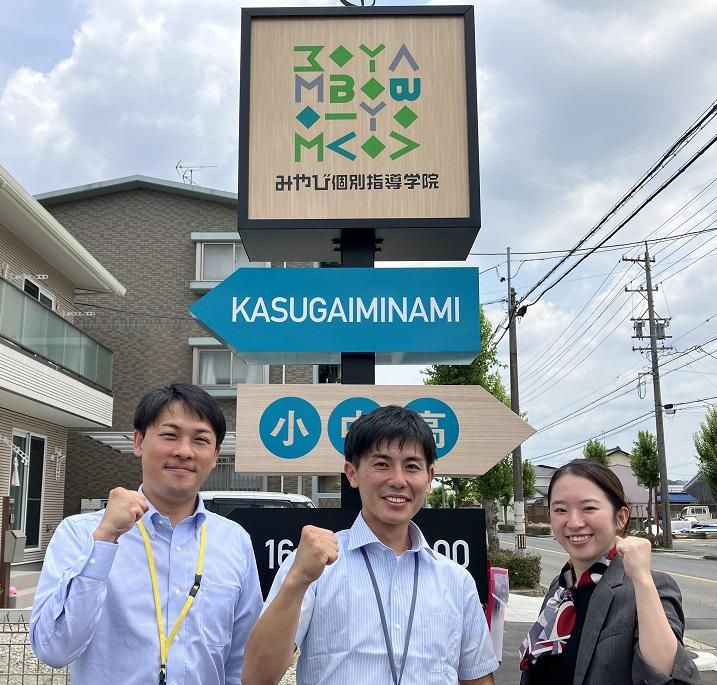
[{"x": 457, "y": 533}]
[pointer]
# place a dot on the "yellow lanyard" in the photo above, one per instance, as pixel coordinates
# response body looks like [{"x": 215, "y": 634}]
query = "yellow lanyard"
[{"x": 166, "y": 642}]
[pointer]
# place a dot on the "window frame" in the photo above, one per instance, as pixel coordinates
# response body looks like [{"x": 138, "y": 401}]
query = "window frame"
[
  {"x": 41, "y": 292},
  {"x": 28, "y": 436},
  {"x": 197, "y": 351}
]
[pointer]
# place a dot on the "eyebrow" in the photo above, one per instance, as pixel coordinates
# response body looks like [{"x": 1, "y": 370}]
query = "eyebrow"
[
  {"x": 176, "y": 427},
  {"x": 406, "y": 457},
  {"x": 584, "y": 501}
]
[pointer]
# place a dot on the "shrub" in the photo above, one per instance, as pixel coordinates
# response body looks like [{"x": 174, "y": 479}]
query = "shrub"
[
  {"x": 506, "y": 527},
  {"x": 538, "y": 529},
  {"x": 523, "y": 570}
]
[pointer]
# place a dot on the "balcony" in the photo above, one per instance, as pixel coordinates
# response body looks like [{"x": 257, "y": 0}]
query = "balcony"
[{"x": 37, "y": 329}]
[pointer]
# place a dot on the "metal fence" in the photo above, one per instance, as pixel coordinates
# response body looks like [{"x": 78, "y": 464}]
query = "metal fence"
[{"x": 18, "y": 664}]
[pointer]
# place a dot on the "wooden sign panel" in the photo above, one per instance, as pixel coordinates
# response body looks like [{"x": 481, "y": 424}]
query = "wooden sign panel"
[{"x": 301, "y": 428}]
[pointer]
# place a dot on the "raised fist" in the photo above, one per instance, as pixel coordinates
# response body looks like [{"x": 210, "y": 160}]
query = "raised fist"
[
  {"x": 124, "y": 509},
  {"x": 317, "y": 549}
]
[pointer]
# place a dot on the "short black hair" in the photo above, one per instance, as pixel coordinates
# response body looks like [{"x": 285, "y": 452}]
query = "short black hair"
[
  {"x": 196, "y": 400},
  {"x": 385, "y": 425}
]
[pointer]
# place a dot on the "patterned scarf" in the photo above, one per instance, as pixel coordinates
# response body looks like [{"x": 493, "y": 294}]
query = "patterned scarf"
[{"x": 551, "y": 632}]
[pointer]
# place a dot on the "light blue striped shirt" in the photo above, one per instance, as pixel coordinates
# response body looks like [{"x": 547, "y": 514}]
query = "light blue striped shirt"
[
  {"x": 94, "y": 606},
  {"x": 340, "y": 634}
]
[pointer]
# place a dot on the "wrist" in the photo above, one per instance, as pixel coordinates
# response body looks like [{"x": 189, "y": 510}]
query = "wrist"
[
  {"x": 643, "y": 581},
  {"x": 102, "y": 534},
  {"x": 296, "y": 581}
]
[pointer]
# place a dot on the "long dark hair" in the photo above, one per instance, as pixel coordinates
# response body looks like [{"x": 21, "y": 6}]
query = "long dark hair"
[{"x": 596, "y": 473}]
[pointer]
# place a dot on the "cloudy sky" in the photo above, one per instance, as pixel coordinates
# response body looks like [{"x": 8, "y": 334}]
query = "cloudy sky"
[{"x": 576, "y": 101}]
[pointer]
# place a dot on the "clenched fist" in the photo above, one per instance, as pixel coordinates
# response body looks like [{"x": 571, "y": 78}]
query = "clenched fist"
[
  {"x": 124, "y": 509},
  {"x": 317, "y": 549},
  {"x": 635, "y": 557}
]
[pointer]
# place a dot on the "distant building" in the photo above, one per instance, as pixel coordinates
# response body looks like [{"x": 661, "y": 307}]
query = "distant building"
[
  {"x": 618, "y": 456},
  {"x": 702, "y": 492}
]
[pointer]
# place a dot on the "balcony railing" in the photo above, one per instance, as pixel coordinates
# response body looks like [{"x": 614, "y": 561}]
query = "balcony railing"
[{"x": 26, "y": 322}]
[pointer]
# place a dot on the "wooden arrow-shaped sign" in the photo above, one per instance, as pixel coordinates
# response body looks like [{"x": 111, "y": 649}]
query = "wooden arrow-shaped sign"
[{"x": 301, "y": 428}]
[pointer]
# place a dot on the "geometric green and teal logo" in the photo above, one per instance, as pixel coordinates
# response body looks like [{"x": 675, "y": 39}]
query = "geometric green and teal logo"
[{"x": 352, "y": 83}]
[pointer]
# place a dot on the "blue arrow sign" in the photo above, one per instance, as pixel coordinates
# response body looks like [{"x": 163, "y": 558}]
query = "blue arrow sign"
[{"x": 310, "y": 316}]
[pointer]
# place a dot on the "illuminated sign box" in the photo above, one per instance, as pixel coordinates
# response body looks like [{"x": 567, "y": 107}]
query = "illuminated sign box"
[{"x": 358, "y": 119}]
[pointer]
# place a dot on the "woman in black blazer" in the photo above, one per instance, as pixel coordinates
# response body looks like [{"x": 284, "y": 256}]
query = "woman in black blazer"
[{"x": 607, "y": 618}]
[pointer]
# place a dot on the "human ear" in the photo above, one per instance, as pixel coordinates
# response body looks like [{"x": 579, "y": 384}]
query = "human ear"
[
  {"x": 137, "y": 444},
  {"x": 350, "y": 471}
]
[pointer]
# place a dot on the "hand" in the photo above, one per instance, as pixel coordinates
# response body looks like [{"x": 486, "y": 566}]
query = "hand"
[
  {"x": 635, "y": 557},
  {"x": 317, "y": 549},
  {"x": 124, "y": 509}
]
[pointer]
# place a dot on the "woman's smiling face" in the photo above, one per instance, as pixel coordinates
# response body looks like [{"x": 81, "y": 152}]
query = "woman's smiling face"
[{"x": 584, "y": 520}]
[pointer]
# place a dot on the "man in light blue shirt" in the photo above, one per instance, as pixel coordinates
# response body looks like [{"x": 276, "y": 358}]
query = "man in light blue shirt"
[
  {"x": 154, "y": 589},
  {"x": 375, "y": 604}
]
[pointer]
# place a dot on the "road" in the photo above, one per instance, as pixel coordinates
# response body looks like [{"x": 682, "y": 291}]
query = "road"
[{"x": 696, "y": 577}]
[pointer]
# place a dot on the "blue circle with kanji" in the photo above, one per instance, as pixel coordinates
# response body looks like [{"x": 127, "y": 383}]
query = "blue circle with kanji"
[
  {"x": 343, "y": 415},
  {"x": 441, "y": 419},
  {"x": 290, "y": 427}
]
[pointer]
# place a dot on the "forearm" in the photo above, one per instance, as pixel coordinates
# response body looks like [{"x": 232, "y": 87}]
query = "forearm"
[
  {"x": 485, "y": 680},
  {"x": 68, "y": 602},
  {"x": 62, "y": 627},
  {"x": 270, "y": 646},
  {"x": 658, "y": 644}
]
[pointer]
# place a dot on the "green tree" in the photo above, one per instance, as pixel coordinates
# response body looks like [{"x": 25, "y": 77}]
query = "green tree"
[
  {"x": 528, "y": 480},
  {"x": 645, "y": 465},
  {"x": 441, "y": 498},
  {"x": 706, "y": 445},
  {"x": 594, "y": 450},
  {"x": 483, "y": 371}
]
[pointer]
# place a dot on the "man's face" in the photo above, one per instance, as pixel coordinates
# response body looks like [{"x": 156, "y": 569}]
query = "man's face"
[
  {"x": 178, "y": 452},
  {"x": 392, "y": 483}
]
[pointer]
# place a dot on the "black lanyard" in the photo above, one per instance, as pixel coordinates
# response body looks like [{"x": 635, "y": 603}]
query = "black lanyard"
[{"x": 389, "y": 646}]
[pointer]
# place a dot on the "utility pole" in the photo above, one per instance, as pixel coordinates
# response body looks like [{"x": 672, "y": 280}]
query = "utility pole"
[
  {"x": 657, "y": 392},
  {"x": 518, "y": 502}
]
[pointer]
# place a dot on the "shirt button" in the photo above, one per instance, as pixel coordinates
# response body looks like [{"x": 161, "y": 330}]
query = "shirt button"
[
  {"x": 176, "y": 638},
  {"x": 91, "y": 562},
  {"x": 178, "y": 548},
  {"x": 82, "y": 557},
  {"x": 397, "y": 626},
  {"x": 177, "y": 591}
]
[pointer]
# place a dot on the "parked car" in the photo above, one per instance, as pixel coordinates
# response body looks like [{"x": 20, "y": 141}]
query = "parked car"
[{"x": 224, "y": 502}]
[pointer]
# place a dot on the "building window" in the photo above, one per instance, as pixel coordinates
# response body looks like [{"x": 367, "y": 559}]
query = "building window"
[
  {"x": 219, "y": 260},
  {"x": 38, "y": 293},
  {"x": 26, "y": 473},
  {"x": 328, "y": 373},
  {"x": 222, "y": 367}
]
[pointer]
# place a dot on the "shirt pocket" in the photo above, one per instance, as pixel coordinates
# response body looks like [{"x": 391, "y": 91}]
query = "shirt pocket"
[
  {"x": 436, "y": 638},
  {"x": 216, "y": 612}
]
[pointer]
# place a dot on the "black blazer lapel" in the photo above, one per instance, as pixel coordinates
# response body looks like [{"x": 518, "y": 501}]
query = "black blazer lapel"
[{"x": 597, "y": 611}]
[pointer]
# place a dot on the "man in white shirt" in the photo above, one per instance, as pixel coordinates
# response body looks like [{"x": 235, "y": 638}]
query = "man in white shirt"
[
  {"x": 154, "y": 589},
  {"x": 375, "y": 604}
]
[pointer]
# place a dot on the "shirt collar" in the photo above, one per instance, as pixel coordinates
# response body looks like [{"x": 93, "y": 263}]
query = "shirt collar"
[
  {"x": 152, "y": 517},
  {"x": 361, "y": 535}
]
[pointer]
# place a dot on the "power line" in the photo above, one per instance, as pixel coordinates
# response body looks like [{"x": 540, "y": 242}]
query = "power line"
[
  {"x": 621, "y": 225},
  {"x": 688, "y": 135}
]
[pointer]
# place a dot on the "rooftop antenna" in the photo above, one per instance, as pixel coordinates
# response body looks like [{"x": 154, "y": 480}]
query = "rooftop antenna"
[{"x": 186, "y": 172}]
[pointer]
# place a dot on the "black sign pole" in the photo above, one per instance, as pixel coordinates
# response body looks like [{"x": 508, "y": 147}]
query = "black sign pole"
[{"x": 358, "y": 250}]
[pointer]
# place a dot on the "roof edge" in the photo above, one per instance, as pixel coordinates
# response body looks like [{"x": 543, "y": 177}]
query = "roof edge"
[
  {"x": 135, "y": 182},
  {"x": 62, "y": 239}
]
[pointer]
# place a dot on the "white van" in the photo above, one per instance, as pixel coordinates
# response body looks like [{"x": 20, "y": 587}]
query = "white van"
[{"x": 224, "y": 502}]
